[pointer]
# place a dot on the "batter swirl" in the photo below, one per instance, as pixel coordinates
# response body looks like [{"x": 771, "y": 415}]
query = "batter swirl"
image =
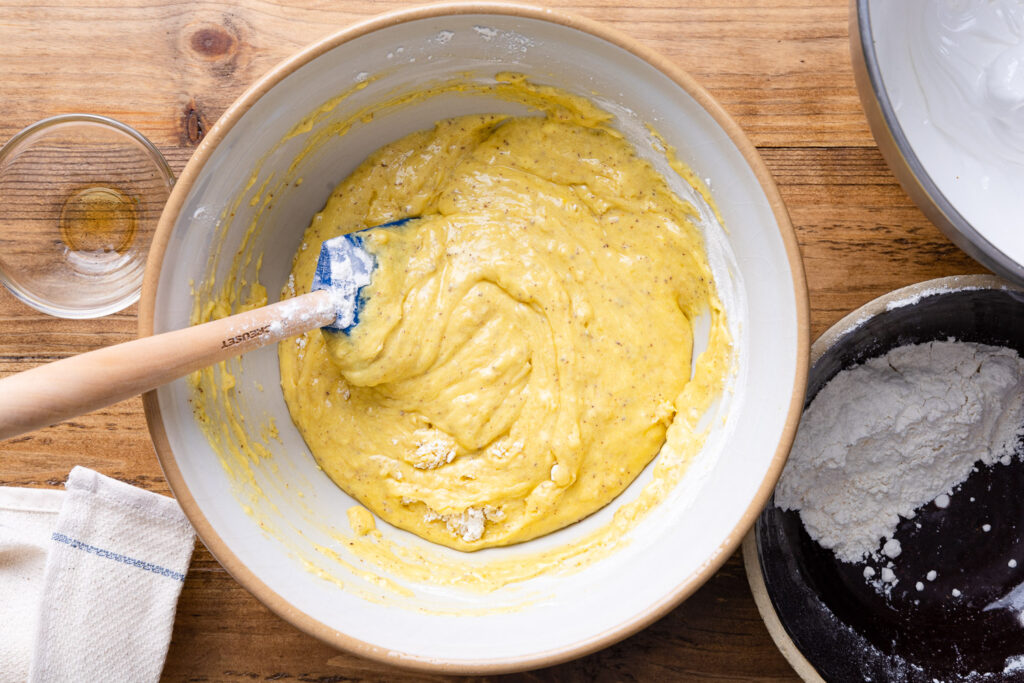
[{"x": 525, "y": 344}]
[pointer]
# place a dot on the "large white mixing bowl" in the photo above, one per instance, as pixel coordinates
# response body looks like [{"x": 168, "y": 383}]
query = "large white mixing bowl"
[{"x": 286, "y": 542}]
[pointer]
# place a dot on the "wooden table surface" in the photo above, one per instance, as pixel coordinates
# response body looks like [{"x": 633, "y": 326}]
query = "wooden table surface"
[{"x": 171, "y": 67}]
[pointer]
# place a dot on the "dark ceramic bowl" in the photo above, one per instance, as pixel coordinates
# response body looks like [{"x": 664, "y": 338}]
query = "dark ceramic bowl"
[{"x": 825, "y": 618}]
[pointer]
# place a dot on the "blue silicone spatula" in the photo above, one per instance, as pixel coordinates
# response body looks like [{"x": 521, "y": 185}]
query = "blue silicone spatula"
[
  {"x": 344, "y": 269},
  {"x": 72, "y": 386}
]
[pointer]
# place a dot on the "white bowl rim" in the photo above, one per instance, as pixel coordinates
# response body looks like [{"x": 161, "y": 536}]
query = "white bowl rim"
[{"x": 272, "y": 600}]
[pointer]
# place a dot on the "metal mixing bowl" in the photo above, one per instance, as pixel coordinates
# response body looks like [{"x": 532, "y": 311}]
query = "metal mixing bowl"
[{"x": 920, "y": 180}]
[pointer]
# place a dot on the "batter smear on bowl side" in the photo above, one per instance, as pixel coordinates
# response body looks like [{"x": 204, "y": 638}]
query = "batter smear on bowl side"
[{"x": 525, "y": 343}]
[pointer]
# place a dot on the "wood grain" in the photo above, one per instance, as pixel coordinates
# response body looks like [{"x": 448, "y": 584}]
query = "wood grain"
[{"x": 780, "y": 67}]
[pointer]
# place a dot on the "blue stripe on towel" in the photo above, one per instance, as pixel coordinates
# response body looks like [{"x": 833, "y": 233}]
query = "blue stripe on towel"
[{"x": 123, "y": 559}]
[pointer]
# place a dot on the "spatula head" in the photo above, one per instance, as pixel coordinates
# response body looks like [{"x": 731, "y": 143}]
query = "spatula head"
[{"x": 344, "y": 268}]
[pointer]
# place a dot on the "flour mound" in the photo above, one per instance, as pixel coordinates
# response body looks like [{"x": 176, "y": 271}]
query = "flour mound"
[{"x": 886, "y": 437}]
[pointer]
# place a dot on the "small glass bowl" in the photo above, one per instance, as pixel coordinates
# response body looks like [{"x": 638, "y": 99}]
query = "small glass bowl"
[{"x": 80, "y": 197}]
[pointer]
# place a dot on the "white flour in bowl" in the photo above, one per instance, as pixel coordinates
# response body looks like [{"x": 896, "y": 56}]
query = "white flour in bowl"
[{"x": 886, "y": 437}]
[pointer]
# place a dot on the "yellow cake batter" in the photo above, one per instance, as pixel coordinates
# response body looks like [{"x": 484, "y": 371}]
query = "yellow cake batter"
[{"x": 525, "y": 344}]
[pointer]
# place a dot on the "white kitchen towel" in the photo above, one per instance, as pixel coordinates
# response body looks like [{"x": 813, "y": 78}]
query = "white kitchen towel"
[
  {"x": 115, "y": 562},
  {"x": 27, "y": 519}
]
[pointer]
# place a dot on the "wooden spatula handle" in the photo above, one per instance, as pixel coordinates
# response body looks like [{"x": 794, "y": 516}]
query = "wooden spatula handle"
[{"x": 50, "y": 393}]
